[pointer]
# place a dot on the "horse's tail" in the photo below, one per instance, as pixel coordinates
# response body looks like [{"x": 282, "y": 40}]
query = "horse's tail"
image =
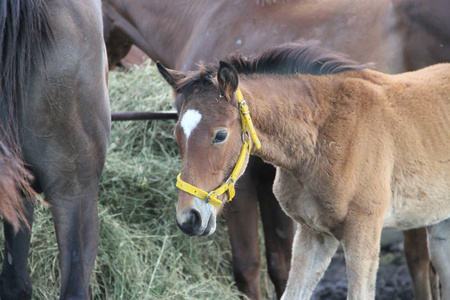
[
  {"x": 24, "y": 34},
  {"x": 12, "y": 175}
]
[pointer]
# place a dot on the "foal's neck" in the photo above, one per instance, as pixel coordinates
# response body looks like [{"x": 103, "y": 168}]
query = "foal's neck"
[{"x": 288, "y": 113}]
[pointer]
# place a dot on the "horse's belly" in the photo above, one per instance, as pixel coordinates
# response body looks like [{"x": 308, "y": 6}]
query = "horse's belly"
[{"x": 419, "y": 205}]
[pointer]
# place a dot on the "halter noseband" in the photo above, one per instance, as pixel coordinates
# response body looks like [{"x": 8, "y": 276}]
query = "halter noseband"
[{"x": 228, "y": 186}]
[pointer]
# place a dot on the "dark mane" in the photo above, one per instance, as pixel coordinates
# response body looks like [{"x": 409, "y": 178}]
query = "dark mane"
[
  {"x": 24, "y": 32},
  {"x": 203, "y": 76},
  {"x": 305, "y": 58}
]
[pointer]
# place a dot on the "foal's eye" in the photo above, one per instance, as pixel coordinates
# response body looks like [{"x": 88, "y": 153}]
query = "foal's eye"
[{"x": 220, "y": 137}]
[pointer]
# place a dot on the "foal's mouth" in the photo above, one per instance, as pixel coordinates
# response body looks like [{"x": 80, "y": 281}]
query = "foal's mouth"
[
  {"x": 192, "y": 225},
  {"x": 209, "y": 227}
]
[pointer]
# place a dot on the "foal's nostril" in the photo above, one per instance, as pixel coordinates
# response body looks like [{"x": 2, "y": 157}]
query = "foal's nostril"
[
  {"x": 195, "y": 219},
  {"x": 192, "y": 223}
]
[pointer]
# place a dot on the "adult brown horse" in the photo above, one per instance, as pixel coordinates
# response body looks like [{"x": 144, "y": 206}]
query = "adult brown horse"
[
  {"x": 355, "y": 150},
  {"x": 398, "y": 36},
  {"x": 55, "y": 118}
]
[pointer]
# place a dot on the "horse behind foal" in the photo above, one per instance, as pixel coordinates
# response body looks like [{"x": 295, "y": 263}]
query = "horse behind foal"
[{"x": 356, "y": 150}]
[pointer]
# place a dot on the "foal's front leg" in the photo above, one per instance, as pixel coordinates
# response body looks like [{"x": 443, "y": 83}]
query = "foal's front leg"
[
  {"x": 312, "y": 253},
  {"x": 361, "y": 241}
]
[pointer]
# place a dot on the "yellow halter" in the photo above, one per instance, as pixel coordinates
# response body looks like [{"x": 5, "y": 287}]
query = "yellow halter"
[{"x": 228, "y": 186}]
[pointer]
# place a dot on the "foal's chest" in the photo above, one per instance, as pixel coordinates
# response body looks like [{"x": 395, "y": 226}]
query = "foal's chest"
[{"x": 300, "y": 204}]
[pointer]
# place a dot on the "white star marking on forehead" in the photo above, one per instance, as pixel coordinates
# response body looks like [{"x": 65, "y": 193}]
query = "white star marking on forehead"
[{"x": 190, "y": 120}]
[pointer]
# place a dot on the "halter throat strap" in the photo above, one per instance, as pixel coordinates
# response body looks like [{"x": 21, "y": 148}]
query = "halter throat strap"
[{"x": 228, "y": 186}]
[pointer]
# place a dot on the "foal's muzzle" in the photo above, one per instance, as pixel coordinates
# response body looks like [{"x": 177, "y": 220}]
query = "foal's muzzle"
[{"x": 193, "y": 224}]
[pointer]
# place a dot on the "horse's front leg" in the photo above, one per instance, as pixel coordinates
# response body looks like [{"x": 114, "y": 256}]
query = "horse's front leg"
[
  {"x": 241, "y": 215},
  {"x": 439, "y": 247},
  {"x": 311, "y": 255},
  {"x": 15, "y": 282},
  {"x": 361, "y": 241},
  {"x": 278, "y": 231}
]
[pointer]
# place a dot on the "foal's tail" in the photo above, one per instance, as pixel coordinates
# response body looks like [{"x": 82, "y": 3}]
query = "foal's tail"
[{"x": 24, "y": 35}]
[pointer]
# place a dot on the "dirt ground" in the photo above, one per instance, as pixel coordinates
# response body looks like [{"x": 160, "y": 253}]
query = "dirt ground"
[{"x": 393, "y": 280}]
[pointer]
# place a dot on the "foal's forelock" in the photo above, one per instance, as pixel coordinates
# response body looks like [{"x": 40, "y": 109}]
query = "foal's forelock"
[{"x": 203, "y": 78}]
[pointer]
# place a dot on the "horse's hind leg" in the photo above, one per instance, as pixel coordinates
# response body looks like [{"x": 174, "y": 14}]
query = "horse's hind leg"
[
  {"x": 69, "y": 177},
  {"x": 434, "y": 283},
  {"x": 66, "y": 127},
  {"x": 416, "y": 252},
  {"x": 15, "y": 282},
  {"x": 77, "y": 229},
  {"x": 439, "y": 247},
  {"x": 278, "y": 229},
  {"x": 68, "y": 168}
]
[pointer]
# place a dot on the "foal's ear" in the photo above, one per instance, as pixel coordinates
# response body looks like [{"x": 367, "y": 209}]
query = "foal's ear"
[
  {"x": 227, "y": 77},
  {"x": 171, "y": 76}
]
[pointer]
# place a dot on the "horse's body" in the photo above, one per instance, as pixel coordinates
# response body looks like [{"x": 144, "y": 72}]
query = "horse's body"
[
  {"x": 57, "y": 100},
  {"x": 396, "y": 35},
  {"x": 356, "y": 150}
]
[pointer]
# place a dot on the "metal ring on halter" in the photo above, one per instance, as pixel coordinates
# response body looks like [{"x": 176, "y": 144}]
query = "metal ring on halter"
[
  {"x": 243, "y": 132},
  {"x": 208, "y": 196},
  {"x": 228, "y": 180}
]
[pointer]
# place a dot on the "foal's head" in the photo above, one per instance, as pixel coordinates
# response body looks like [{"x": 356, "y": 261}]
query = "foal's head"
[{"x": 208, "y": 133}]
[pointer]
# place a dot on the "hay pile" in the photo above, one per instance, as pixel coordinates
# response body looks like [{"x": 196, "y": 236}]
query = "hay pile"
[{"x": 142, "y": 253}]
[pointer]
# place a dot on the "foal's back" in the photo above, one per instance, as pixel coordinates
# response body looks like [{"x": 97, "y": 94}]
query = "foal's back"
[
  {"x": 420, "y": 102},
  {"x": 417, "y": 119}
]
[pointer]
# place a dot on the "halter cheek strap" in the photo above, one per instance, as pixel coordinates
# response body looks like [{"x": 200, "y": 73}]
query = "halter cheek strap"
[{"x": 228, "y": 186}]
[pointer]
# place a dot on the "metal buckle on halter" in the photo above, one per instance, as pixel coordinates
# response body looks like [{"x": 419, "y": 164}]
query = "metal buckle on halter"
[
  {"x": 208, "y": 196},
  {"x": 243, "y": 102}
]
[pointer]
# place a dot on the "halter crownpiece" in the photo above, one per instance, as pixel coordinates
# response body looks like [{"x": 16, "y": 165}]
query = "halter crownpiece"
[{"x": 228, "y": 186}]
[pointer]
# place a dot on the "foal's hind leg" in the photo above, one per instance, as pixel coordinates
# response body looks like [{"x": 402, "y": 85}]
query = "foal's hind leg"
[
  {"x": 15, "y": 282},
  {"x": 439, "y": 247},
  {"x": 311, "y": 255}
]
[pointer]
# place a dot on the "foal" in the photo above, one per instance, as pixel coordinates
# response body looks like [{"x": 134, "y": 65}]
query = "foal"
[{"x": 356, "y": 150}]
